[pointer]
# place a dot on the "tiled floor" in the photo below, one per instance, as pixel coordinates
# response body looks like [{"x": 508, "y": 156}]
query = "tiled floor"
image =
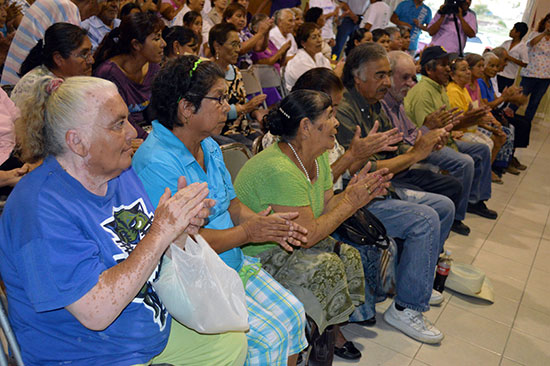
[{"x": 514, "y": 251}]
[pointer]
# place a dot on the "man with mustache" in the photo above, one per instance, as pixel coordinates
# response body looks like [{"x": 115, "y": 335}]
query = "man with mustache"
[
  {"x": 428, "y": 96},
  {"x": 417, "y": 216},
  {"x": 362, "y": 106}
]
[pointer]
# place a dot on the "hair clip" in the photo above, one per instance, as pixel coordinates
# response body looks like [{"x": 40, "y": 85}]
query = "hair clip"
[
  {"x": 284, "y": 113},
  {"x": 53, "y": 85},
  {"x": 194, "y": 67}
]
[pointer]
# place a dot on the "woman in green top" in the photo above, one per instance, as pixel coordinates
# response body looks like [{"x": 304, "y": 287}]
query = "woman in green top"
[{"x": 294, "y": 175}]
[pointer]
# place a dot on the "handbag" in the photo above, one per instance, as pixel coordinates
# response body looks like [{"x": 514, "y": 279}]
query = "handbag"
[
  {"x": 200, "y": 291},
  {"x": 363, "y": 228}
]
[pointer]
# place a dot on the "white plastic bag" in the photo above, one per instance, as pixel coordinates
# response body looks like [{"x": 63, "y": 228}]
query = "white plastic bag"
[{"x": 201, "y": 291}]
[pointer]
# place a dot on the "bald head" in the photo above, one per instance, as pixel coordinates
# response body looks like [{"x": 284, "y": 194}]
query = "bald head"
[{"x": 403, "y": 74}]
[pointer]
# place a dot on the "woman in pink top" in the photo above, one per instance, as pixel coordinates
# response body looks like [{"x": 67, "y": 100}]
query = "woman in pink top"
[{"x": 492, "y": 128}]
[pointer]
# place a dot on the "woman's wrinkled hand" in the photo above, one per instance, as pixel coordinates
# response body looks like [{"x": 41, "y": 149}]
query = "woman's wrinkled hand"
[
  {"x": 277, "y": 227},
  {"x": 174, "y": 214}
]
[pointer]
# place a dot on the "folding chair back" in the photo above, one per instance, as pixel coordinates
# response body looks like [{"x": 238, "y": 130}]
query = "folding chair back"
[
  {"x": 270, "y": 78},
  {"x": 235, "y": 155},
  {"x": 252, "y": 83}
]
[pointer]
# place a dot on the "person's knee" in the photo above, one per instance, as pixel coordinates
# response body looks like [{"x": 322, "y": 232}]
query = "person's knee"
[{"x": 237, "y": 344}]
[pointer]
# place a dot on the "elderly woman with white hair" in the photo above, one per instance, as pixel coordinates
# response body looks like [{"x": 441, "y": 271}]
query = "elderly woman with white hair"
[{"x": 81, "y": 242}]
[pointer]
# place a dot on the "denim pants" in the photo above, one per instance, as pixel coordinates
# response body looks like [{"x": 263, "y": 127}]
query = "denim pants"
[
  {"x": 426, "y": 180},
  {"x": 481, "y": 184},
  {"x": 460, "y": 166},
  {"x": 423, "y": 220},
  {"x": 345, "y": 29}
]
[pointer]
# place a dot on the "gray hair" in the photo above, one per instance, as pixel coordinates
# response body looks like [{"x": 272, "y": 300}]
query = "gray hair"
[
  {"x": 396, "y": 56},
  {"x": 358, "y": 58},
  {"x": 279, "y": 13},
  {"x": 256, "y": 20},
  {"x": 488, "y": 56},
  {"x": 54, "y": 107},
  {"x": 392, "y": 31}
]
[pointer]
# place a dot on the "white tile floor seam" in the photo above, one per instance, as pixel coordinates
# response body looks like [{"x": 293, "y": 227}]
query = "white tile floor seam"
[{"x": 513, "y": 250}]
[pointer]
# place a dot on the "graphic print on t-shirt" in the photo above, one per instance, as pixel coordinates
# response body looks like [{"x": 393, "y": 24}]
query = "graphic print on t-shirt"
[{"x": 127, "y": 226}]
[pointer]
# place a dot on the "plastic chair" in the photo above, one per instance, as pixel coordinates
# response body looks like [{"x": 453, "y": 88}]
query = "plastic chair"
[
  {"x": 235, "y": 155},
  {"x": 270, "y": 78},
  {"x": 251, "y": 83},
  {"x": 10, "y": 336}
]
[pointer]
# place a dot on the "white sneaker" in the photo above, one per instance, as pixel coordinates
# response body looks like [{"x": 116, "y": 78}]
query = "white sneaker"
[
  {"x": 414, "y": 324},
  {"x": 436, "y": 298}
]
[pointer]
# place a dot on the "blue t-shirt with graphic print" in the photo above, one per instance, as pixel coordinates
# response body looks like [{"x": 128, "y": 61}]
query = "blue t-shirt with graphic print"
[{"x": 56, "y": 239}]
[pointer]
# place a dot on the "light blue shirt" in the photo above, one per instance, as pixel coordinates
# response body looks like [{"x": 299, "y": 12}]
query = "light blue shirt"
[
  {"x": 97, "y": 30},
  {"x": 407, "y": 11},
  {"x": 163, "y": 158}
]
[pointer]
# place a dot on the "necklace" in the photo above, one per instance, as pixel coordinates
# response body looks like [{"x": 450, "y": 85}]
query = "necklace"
[{"x": 302, "y": 164}]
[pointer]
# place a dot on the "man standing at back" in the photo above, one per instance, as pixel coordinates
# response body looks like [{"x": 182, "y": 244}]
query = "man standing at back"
[
  {"x": 414, "y": 15},
  {"x": 443, "y": 29},
  {"x": 37, "y": 19}
]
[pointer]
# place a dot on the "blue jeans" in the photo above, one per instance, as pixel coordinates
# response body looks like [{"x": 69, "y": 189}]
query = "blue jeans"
[
  {"x": 460, "y": 166},
  {"x": 481, "y": 185},
  {"x": 423, "y": 220},
  {"x": 345, "y": 29}
]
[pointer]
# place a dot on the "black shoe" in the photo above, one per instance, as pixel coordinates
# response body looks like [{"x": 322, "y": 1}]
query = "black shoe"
[
  {"x": 367, "y": 323},
  {"x": 460, "y": 228},
  {"x": 480, "y": 208},
  {"x": 347, "y": 351}
]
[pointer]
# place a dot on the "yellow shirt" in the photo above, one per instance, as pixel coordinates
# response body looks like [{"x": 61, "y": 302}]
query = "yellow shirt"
[{"x": 460, "y": 98}]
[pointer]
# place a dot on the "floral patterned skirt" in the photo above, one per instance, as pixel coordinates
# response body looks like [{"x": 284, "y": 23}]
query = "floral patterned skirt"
[{"x": 329, "y": 285}]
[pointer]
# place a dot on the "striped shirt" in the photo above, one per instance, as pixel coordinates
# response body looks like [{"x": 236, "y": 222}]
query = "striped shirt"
[{"x": 41, "y": 15}]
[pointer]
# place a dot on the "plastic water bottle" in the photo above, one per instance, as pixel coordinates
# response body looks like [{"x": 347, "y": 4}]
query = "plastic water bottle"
[{"x": 442, "y": 271}]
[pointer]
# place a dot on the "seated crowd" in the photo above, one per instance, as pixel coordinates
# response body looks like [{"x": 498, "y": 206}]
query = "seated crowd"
[{"x": 112, "y": 118}]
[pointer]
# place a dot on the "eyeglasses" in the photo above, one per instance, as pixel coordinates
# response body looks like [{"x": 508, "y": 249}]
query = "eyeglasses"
[
  {"x": 84, "y": 55},
  {"x": 221, "y": 99}
]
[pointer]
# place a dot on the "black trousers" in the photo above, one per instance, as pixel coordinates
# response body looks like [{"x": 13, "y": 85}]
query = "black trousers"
[{"x": 428, "y": 181}]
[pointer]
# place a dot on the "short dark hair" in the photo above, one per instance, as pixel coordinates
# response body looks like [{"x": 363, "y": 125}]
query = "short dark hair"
[
  {"x": 379, "y": 33},
  {"x": 360, "y": 55},
  {"x": 357, "y": 35},
  {"x": 304, "y": 32},
  {"x": 313, "y": 14},
  {"x": 428, "y": 66},
  {"x": 182, "y": 78},
  {"x": 232, "y": 9},
  {"x": 522, "y": 28},
  {"x": 219, "y": 34},
  {"x": 177, "y": 33},
  {"x": 284, "y": 119},
  {"x": 62, "y": 38},
  {"x": 320, "y": 79},
  {"x": 127, "y": 9}
]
